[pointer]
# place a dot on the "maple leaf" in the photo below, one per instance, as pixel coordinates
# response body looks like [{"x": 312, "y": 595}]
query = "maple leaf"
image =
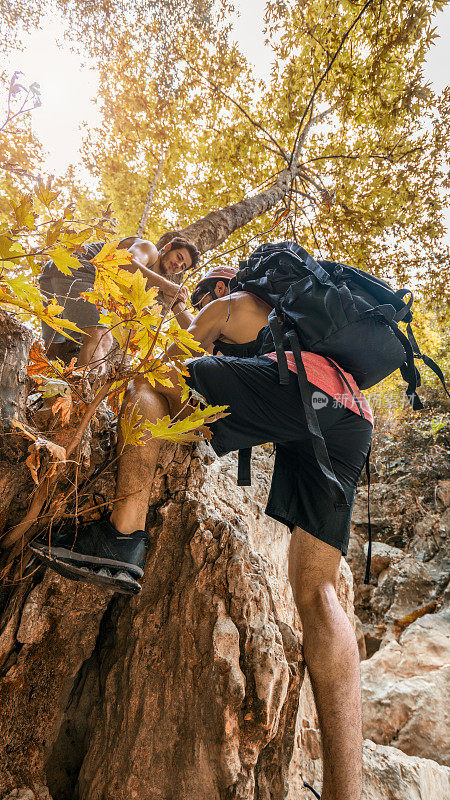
[
  {"x": 138, "y": 295},
  {"x": 188, "y": 429},
  {"x": 44, "y": 194},
  {"x": 109, "y": 255},
  {"x": 63, "y": 260},
  {"x": 131, "y": 426},
  {"x": 9, "y": 249},
  {"x": 69, "y": 369},
  {"x": 39, "y": 363},
  {"x": 65, "y": 406},
  {"x": 23, "y": 213},
  {"x": 76, "y": 238},
  {"x": 39, "y": 443},
  {"x": 34, "y": 461},
  {"x": 117, "y": 327},
  {"x": 55, "y": 386}
]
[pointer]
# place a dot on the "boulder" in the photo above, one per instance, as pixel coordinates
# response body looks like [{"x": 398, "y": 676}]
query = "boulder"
[
  {"x": 404, "y": 584},
  {"x": 389, "y": 774},
  {"x": 402, "y": 588},
  {"x": 405, "y": 690},
  {"x": 443, "y": 492}
]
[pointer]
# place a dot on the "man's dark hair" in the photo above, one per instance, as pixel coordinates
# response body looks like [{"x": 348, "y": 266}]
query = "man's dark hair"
[
  {"x": 205, "y": 287},
  {"x": 166, "y": 238},
  {"x": 176, "y": 240}
]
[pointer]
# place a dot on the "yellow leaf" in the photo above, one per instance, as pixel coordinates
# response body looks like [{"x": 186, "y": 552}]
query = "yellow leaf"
[
  {"x": 139, "y": 296},
  {"x": 187, "y": 429},
  {"x": 111, "y": 256},
  {"x": 44, "y": 193},
  {"x": 63, "y": 260},
  {"x": 23, "y": 213},
  {"x": 131, "y": 425},
  {"x": 9, "y": 249}
]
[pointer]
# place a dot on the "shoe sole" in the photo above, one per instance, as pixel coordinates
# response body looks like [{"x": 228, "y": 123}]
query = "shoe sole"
[
  {"x": 123, "y": 583},
  {"x": 70, "y": 556}
]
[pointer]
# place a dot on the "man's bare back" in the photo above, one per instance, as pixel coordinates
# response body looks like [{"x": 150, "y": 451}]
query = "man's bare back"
[{"x": 235, "y": 318}]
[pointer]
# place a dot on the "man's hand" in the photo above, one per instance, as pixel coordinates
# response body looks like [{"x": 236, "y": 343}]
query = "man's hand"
[{"x": 171, "y": 290}]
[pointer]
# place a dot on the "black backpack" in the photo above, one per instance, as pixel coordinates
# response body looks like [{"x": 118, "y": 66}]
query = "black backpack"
[{"x": 338, "y": 312}]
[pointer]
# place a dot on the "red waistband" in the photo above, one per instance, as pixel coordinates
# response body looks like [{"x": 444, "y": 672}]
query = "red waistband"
[{"x": 322, "y": 374}]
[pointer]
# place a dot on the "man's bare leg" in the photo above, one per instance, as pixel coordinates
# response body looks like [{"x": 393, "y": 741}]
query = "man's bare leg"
[
  {"x": 137, "y": 464},
  {"x": 98, "y": 552},
  {"x": 97, "y": 343},
  {"x": 331, "y": 655}
]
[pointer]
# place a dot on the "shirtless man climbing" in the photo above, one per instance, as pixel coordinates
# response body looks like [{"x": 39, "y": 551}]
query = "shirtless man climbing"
[
  {"x": 244, "y": 375},
  {"x": 158, "y": 263}
]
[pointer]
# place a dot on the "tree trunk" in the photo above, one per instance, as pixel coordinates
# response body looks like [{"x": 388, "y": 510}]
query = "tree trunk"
[
  {"x": 150, "y": 196},
  {"x": 212, "y": 230}
]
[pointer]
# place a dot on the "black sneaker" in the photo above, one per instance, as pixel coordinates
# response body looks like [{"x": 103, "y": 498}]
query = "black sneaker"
[{"x": 96, "y": 553}]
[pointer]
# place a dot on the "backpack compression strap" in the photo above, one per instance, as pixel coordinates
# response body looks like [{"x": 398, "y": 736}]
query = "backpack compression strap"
[
  {"x": 426, "y": 359},
  {"x": 408, "y": 369},
  {"x": 320, "y": 450}
]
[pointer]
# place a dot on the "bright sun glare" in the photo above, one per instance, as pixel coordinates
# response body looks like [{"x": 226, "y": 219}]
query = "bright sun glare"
[{"x": 69, "y": 87}]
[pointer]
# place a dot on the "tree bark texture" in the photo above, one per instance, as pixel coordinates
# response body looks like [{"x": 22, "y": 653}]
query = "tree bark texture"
[
  {"x": 212, "y": 230},
  {"x": 150, "y": 196},
  {"x": 15, "y": 343},
  {"x": 191, "y": 689}
]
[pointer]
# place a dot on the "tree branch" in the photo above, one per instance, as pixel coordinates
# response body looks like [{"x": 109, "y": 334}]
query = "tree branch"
[
  {"x": 310, "y": 124},
  {"x": 316, "y": 88},
  {"x": 254, "y": 122}
]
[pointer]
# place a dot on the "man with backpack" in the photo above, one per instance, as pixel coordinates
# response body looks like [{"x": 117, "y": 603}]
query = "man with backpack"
[
  {"x": 311, "y": 407},
  {"x": 171, "y": 254}
]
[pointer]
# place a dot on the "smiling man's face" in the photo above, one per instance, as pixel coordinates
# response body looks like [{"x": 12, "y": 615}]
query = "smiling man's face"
[{"x": 176, "y": 260}]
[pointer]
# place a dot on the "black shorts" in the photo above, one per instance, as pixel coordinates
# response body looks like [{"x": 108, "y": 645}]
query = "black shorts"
[{"x": 262, "y": 410}]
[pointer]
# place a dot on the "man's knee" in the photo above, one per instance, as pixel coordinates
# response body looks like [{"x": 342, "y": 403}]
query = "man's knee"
[
  {"x": 140, "y": 389},
  {"x": 313, "y": 572},
  {"x": 316, "y": 600},
  {"x": 98, "y": 337}
]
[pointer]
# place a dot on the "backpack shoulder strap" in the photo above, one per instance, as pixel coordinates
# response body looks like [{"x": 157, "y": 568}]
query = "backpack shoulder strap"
[
  {"x": 277, "y": 336},
  {"x": 320, "y": 450}
]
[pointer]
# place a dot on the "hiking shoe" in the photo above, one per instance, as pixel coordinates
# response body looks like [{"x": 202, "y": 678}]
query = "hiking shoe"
[{"x": 95, "y": 553}]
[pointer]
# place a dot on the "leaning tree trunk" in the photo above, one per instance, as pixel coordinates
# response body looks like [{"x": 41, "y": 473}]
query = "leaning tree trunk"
[
  {"x": 212, "y": 230},
  {"x": 189, "y": 691}
]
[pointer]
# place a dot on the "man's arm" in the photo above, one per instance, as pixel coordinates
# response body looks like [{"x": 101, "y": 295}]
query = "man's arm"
[
  {"x": 183, "y": 316},
  {"x": 145, "y": 256},
  {"x": 207, "y": 326}
]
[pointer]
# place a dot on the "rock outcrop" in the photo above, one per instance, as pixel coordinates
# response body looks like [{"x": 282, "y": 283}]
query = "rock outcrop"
[
  {"x": 196, "y": 688},
  {"x": 189, "y": 690},
  {"x": 405, "y": 690},
  {"x": 389, "y": 774},
  {"x": 405, "y": 612}
]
